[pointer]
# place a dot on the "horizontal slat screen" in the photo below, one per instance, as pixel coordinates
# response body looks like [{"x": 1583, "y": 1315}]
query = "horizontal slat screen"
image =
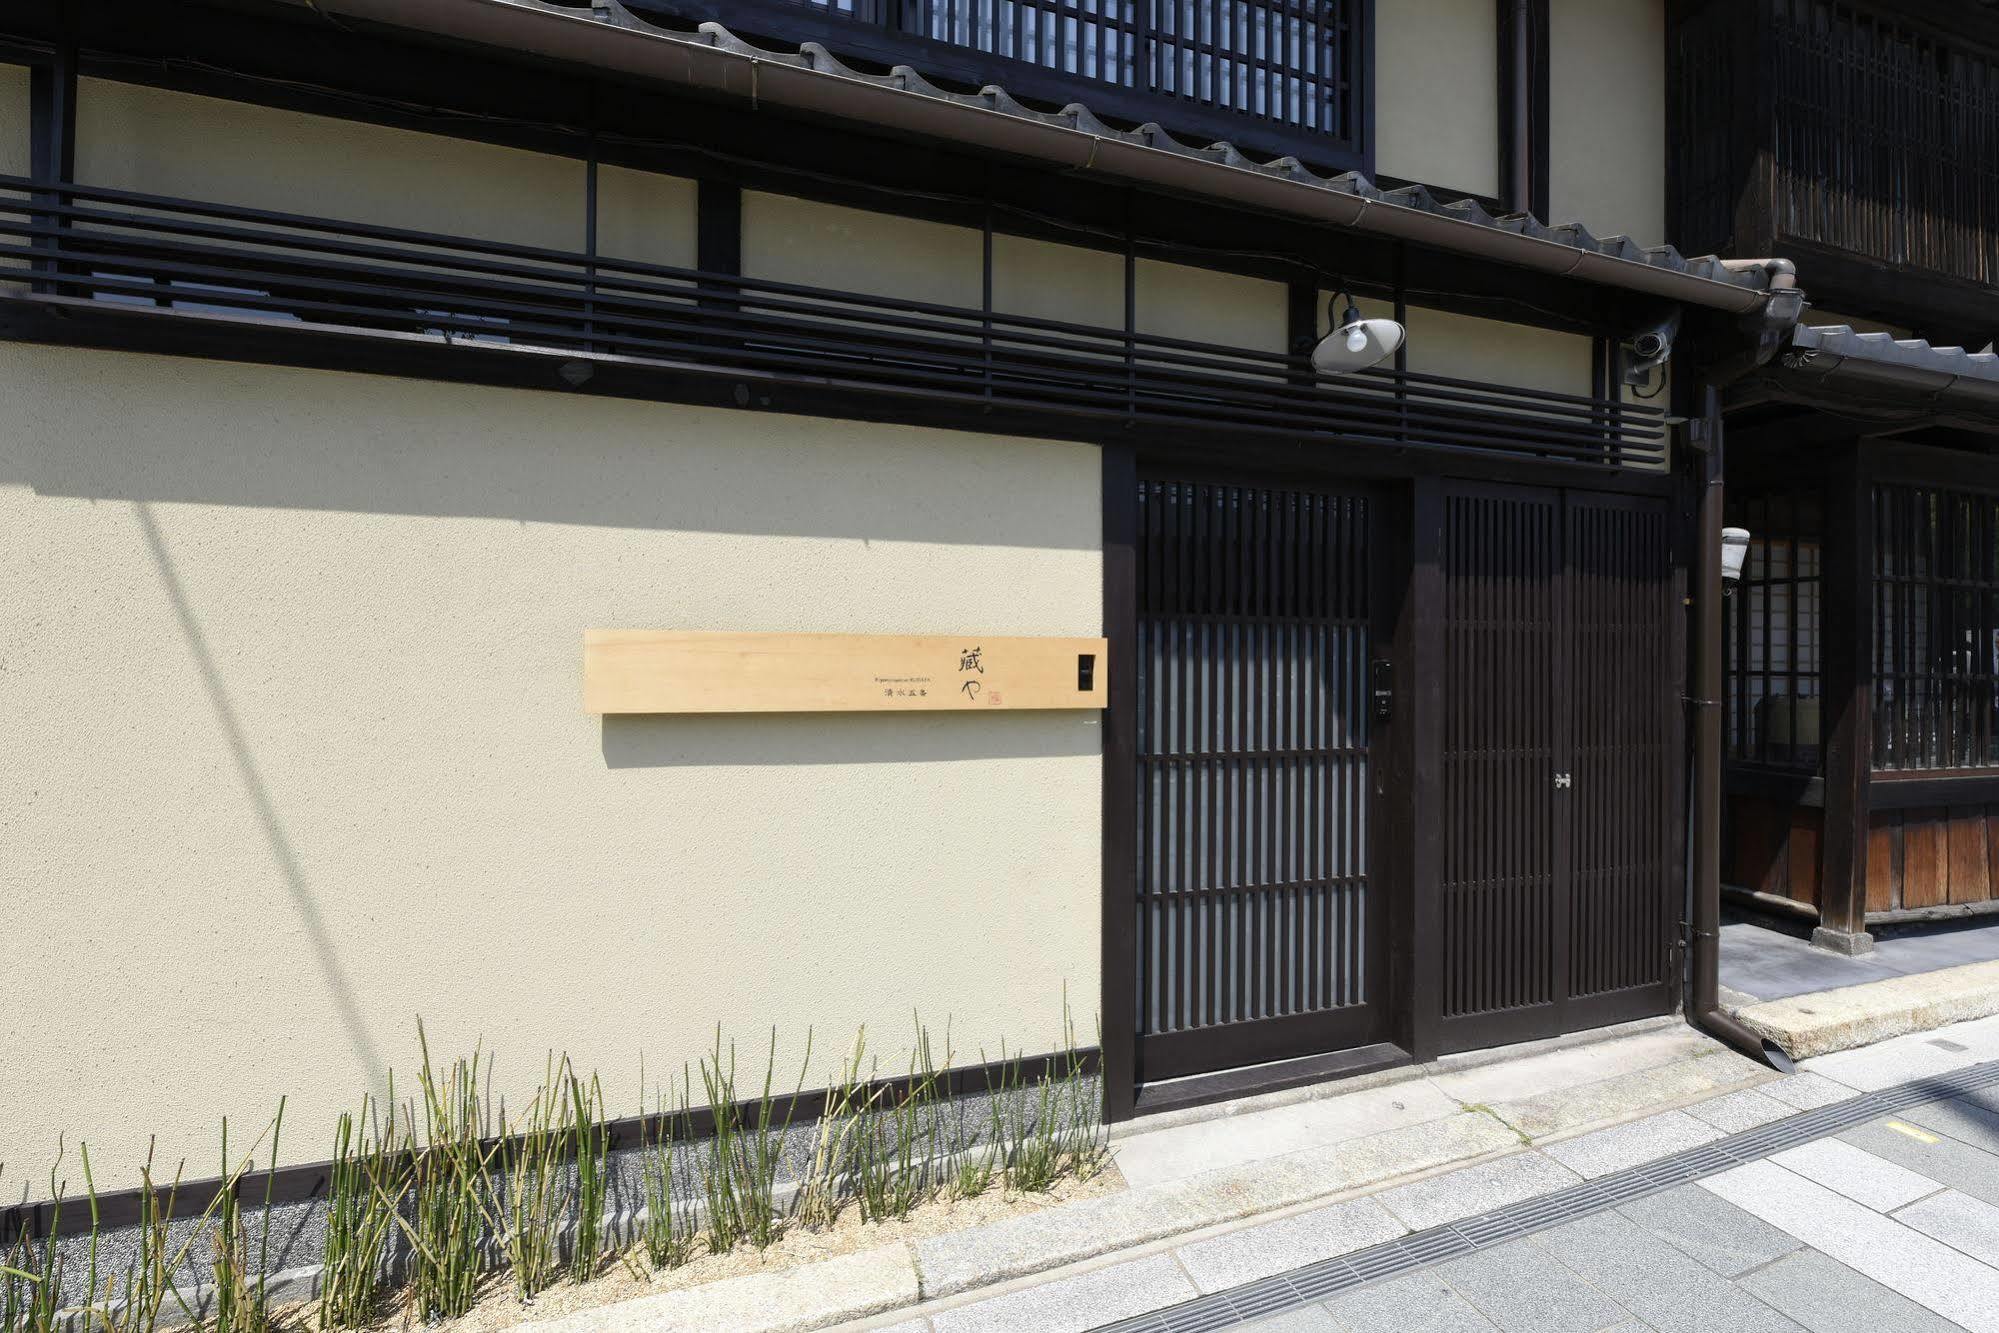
[{"x": 120, "y": 251}]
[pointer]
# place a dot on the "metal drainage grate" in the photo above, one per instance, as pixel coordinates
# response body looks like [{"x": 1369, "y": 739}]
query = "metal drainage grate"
[{"x": 1315, "y": 1282}]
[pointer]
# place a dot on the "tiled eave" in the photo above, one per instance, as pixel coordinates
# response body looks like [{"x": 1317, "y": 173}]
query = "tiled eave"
[
  {"x": 809, "y": 79},
  {"x": 1835, "y": 363}
]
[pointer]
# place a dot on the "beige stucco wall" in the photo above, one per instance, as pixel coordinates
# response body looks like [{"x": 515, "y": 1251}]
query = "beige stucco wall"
[
  {"x": 1436, "y": 93},
  {"x": 1468, "y": 348},
  {"x": 859, "y": 250},
  {"x": 14, "y": 142},
  {"x": 161, "y": 142},
  {"x": 1047, "y": 280},
  {"x": 16, "y": 154},
  {"x": 803, "y": 241},
  {"x": 296, "y": 749},
  {"x": 1607, "y": 116},
  {"x": 1201, "y": 305},
  {"x": 645, "y": 216},
  {"x": 1465, "y": 347}
]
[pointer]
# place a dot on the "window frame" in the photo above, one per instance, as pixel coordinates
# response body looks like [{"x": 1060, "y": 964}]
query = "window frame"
[
  {"x": 1802, "y": 640},
  {"x": 1958, "y": 559}
]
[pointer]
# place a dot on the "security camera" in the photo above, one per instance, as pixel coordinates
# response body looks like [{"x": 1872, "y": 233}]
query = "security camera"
[
  {"x": 1651, "y": 345},
  {"x": 1648, "y": 349}
]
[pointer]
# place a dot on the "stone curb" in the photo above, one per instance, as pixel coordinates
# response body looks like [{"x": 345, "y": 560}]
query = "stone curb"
[
  {"x": 990, "y": 1259},
  {"x": 891, "y": 1277},
  {"x": 1838, "y": 1020}
]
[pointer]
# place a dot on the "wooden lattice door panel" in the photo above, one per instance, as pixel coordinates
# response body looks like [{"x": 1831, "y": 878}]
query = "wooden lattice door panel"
[
  {"x": 1625, "y": 710},
  {"x": 1259, "y": 936},
  {"x": 1560, "y": 720},
  {"x": 1503, "y": 873}
]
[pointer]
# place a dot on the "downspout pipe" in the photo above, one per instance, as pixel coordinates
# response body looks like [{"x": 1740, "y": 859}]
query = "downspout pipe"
[{"x": 1703, "y": 1000}]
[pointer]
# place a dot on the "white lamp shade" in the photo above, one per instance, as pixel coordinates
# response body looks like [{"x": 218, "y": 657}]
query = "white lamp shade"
[
  {"x": 1734, "y": 549},
  {"x": 1379, "y": 339}
]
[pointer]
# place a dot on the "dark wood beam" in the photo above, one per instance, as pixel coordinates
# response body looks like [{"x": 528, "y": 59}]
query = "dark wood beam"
[
  {"x": 1847, "y": 645},
  {"x": 1119, "y": 887},
  {"x": 52, "y": 129}
]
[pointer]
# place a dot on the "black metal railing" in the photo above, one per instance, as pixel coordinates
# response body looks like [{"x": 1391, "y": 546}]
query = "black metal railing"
[
  {"x": 116, "y": 251},
  {"x": 1284, "y": 75}
]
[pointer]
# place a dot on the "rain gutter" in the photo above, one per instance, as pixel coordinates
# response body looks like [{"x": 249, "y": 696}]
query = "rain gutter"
[{"x": 608, "y": 38}]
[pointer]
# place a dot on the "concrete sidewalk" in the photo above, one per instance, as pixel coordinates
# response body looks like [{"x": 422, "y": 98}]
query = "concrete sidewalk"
[
  {"x": 1812, "y": 1002},
  {"x": 1220, "y": 1195},
  {"x": 1724, "y": 1253}
]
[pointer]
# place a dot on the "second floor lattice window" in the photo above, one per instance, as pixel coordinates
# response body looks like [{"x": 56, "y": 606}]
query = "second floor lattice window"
[
  {"x": 1886, "y": 138},
  {"x": 1277, "y": 75}
]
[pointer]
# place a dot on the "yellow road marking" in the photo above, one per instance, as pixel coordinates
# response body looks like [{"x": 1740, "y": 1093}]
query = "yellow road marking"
[{"x": 1920, "y": 1136}]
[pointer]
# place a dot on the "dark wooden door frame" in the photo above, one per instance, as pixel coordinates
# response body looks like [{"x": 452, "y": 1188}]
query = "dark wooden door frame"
[
  {"x": 1388, "y": 815},
  {"x": 1427, "y": 1023},
  {"x": 1119, "y": 1040},
  {"x": 1407, "y": 767}
]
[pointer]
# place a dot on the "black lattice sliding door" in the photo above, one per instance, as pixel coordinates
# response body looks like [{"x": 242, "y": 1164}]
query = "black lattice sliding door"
[
  {"x": 1259, "y": 930},
  {"x": 1560, "y": 720},
  {"x": 1503, "y": 858},
  {"x": 1626, "y": 731}
]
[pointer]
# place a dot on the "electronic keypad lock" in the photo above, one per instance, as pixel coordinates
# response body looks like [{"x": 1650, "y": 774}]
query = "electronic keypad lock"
[{"x": 1384, "y": 689}]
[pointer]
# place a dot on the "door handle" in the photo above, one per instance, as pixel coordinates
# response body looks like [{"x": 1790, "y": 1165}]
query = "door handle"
[{"x": 1564, "y": 781}]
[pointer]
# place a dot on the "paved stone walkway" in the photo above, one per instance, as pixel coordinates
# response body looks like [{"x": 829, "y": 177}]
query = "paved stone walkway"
[
  {"x": 1764, "y": 964},
  {"x": 1893, "y": 1225}
]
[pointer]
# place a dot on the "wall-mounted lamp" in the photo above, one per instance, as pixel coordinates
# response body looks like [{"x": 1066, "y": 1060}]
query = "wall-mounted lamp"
[
  {"x": 1355, "y": 343},
  {"x": 1734, "y": 549}
]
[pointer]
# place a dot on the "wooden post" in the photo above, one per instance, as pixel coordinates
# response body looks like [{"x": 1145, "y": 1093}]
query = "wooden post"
[
  {"x": 1420, "y": 650},
  {"x": 52, "y": 148},
  {"x": 1120, "y": 784},
  {"x": 1848, "y": 727}
]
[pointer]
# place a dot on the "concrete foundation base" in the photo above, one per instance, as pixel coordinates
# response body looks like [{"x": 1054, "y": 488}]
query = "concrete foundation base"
[{"x": 1852, "y": 943}]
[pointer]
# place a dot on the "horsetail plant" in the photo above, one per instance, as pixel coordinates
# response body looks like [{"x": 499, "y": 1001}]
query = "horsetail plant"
[
  {"x": 529, "y": 1195},
  {"x": 448, "y": 1188},
  {"x": 366, "y": 1184},
  {"x": 1089, "y": 1145},
  {"x": 242, "y": 1303},
  {"x": 1033, "y": 1137},
  {"x": 150, "y": 1278},
  {"x": 739, "y": 1176},
  {"x": 899, "y": 1141},
  {"x": 588, "y": 1144},
  {"x": 834, "y": 1148},
  {"x": 90, "y": 1293},
  {"x": 975, "y": 1164},
  {"x": 31, "y": 1299},
  {"x": 666, "y": 1229}
]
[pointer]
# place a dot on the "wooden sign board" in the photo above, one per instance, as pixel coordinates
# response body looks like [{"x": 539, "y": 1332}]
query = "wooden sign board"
[{"x": 686, "y": 671}]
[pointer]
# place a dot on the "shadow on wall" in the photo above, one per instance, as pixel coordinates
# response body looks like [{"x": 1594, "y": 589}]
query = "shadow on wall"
[
  {"x": 202, "y": 432},
  {"x": 777, "y": 739},
  {"x": 339, "y": 984}
]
